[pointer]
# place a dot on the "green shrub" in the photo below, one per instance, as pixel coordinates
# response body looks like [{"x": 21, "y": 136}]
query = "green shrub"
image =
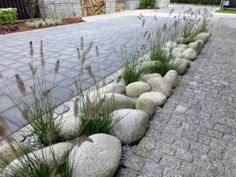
[
  {"x": 146, "y": 3},
  {"x": 96, "y": 117},
  {"x": 205, "y": 2},
  {"x": 8, "y": 16}
]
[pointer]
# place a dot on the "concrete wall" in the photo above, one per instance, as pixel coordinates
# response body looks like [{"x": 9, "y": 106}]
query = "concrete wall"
[
  {"x": 131, "y": 4},
  {"x": 60, "y": 8},
  {"x": 110, "y": 6},
  {"x": 163, "y": 3}
]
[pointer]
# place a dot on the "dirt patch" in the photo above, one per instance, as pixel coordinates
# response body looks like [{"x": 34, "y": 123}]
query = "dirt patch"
[{"x": 21, "y": 26}]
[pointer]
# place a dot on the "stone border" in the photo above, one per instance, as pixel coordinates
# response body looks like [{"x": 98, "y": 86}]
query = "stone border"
[{"x": 161, "y": 89}]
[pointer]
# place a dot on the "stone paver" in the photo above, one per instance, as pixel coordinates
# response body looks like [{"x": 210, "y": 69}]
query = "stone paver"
[
  {"x": 194, "y": 134},
  {"x": 60, "y": 43}
]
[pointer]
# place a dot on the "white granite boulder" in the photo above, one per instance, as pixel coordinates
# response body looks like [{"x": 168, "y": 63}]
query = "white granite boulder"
[
  {"x": 146, "y": 67},
  {"x": 172, "y": 77},
  {"x": 197, "y": 46},
  {"x": 113, "y": 88},
  {"x": 118, "y": 101},
  {"x": 135, "y": 89},
  {"x": 157, "y": 98},
  {"x": 146, "y": 77},
  {"x": 110, "y": 101},
  {"x": 99, "y": 158},
  {"x": 182, "y": 65},
  {"x": 189, "y": 54},
  {"x": 53, "y": 155},
  {"x": 203, "y": 36},
  {"x": 10, "y": 154},
  {"x": 146, "y": 105},
  {"x": 177, "y": 52},
  {"x": 160, "y": 84},
  {"x": 131, "y": 125},
  {"x": 68, "y": 123},
  {"x": 183, "y": 47},
  {"x": 171, "y": 44}
]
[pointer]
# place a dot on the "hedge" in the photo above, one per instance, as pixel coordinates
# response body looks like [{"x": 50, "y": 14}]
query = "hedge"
[
  {"x": 205, "y": 2},
  {"x": 8, "y": 16}
]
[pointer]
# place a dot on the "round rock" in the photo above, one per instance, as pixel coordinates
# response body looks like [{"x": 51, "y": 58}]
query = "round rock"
[
  {"x": 135, "y": 89},
  {"x": 45, "y": 155},
  {"x": 157, "y": 98},
  {"x": 160, "y": 84},
  {"x": 113, "y": 101},
  {"x": 203, "y": 36},
  {"x": 131, "y": 125},
  {"x": 118, "y": 101},
  {"x": 145, "y": 105},
  {"x": 113, "y": 88},
  {"x": 171, "y": 44},
  {"x": 172, "y": 77},
  {"x": 98, "y": 157},
  {"x": 190, "y": 54},
  {"x": 182, "y": 65},
  {"x": 197, "y": 46},
  {"x": 69, "y": 124},
  {"x": 146, "y": 77},
  {"x": 146, "y": 67}
]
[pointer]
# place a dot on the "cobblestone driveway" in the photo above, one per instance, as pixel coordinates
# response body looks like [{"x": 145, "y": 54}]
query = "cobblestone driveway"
[{"x": 194, "y": 134}]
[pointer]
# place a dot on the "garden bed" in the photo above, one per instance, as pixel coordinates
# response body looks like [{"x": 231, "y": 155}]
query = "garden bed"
[{"x": 21, "y": 26}]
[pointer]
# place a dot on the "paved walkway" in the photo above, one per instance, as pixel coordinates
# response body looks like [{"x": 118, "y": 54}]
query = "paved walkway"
[
  {"x": 60, "y": 43},
  {"x": 194, "y": 134}
]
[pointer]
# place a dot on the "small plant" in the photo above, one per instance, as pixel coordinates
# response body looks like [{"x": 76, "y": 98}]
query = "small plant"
[
  {"x": 8, "y": 28},
  {"x": 132, "y": 70},
  {"x": 131, "y": 73},
  {"x": 44, "y": 23},
  {"x": 204, "y": 22},
  {"x": 193, "y": 25},
  {"x": 188, "y": 34},
  {"x": 96, "y": 117},
  {"x": 147, "y": 3},
  {"x": 163, "y": 61},
  {"x": 8, "y": 16}
]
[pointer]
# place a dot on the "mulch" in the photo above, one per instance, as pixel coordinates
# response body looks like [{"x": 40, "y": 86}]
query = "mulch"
[{"x": 21, "y": 26}]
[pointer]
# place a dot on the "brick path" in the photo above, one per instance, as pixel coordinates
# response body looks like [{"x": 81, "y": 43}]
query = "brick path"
[{"x": 194, "y": 134}]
